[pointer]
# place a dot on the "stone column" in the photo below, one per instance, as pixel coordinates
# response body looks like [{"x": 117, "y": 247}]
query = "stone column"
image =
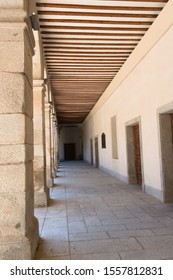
[
  {"x": 48, "y": 142},
  {"x": 55, "y": 143},
  {"x": 18, "y": 226},
  {"x": 52, "y": 144},
  {"x": 40, "y": 186}
]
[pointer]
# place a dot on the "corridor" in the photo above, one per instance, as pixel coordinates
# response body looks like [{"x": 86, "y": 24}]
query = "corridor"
[{"x": 94, "y": 216}]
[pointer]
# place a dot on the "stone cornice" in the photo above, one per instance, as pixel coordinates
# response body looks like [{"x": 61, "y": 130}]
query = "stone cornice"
[{"x": 39, "y": 83}]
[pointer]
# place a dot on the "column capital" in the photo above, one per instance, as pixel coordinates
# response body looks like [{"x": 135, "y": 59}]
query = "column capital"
[
  {"x": 39, "y": 83},
  {"x": 47, "y": 106}
]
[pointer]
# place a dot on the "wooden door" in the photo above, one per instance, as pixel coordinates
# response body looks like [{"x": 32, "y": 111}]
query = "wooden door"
[
  {"x": 69, "y": 151},
  {"x": 137, "y": 151}
]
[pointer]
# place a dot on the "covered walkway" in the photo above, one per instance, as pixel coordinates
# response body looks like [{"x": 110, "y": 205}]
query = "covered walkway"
[{"x": 93, "y": 215}]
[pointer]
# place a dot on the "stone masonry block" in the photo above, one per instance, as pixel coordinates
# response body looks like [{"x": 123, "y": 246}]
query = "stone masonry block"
[
  {"x": 39, "y": 181},
  {"x": 15, "y": 249},
  {"x": 16, "y": 94},
  {"x": 12, "y": 218},
  {"x": 9, "y": 61},
  {"x": 39, "y": 163},
  {"x": 40, "y": 199},
  {"x": 15, "y": 129},
  {"x": 15, "y": 154},
  {"x": 21, "y": 62},
  {"x": 38, "y": 151},
  {"x": 15, "y": 4},
  {"x": 38, "y": 136},
  {"x": 16, "y": 177},
  {"x": 20, "y": 247},
  {"x": 14, "y": 34}
]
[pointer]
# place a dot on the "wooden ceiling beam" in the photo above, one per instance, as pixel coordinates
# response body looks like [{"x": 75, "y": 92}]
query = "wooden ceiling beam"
[
  {"x": 56, "y": 69},
  {"x": 96, "y": 90},
  {"x": 75, "y": 97},
  {"x": 92, "y": 44},
  {"x": 73, "y": 81},
  {"x": 94, "y": 40},
  {"x": 94, "y": 21},
  {"x": 97, "y": 14},
  {"x": 93, "y": 7},
  {"x": 68, "y": 32},
  {"x": 87, "y": 48},
  {"x": 79, "y": 64},
  {"x": 82, "y": 59},
  {"x": 100, "y": 28},
  {"x": 91, "y": 52}
]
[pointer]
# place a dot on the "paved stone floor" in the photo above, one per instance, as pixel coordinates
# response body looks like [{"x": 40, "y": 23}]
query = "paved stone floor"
[{"x": 94, "y": 216}]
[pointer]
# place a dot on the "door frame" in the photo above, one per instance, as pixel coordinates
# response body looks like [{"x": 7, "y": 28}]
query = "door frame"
[
  {"x": 131, "y": 167},
  {"x": 166, "y": 152}
]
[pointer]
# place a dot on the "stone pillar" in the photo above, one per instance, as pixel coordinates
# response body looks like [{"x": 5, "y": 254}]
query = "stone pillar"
[
  {"x": 18, "y": 226},
  {"x": 54, "y": 143},
  {"x": 48, "y": 142},
  {"x": 40, "y": 186}
]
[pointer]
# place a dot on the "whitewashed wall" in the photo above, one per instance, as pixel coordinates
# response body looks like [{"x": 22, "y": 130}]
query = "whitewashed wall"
[{"x": 145, "y": 89}]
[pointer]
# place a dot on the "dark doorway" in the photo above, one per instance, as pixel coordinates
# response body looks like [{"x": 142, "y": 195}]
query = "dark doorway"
[
  {"x": 96, "y": 153},
  {"x": 69, "y": 151},
  {"x": 137, "y": 154},
  {"x": 166, "y": 133},
  {"x": 134, "y": 154},
  {"x": 91, "y": 150}
]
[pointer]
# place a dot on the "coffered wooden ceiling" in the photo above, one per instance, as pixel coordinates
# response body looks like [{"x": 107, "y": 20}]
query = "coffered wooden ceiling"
[{"x": 85, "y": 44}]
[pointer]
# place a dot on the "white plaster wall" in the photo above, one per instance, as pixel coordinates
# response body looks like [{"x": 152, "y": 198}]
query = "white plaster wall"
[
  {"x": 71, "y": 135},
  {"x": 148, "y": 87}
]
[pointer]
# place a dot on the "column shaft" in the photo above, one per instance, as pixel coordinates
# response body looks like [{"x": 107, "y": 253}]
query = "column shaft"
[
  {"x": 48, "y": 144},
  {"x": 18, "y": 226},
  {"x": 40, "y": 186}
]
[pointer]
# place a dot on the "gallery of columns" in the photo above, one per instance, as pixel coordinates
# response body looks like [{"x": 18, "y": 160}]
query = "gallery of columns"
[{"x": 28, "y": 147}]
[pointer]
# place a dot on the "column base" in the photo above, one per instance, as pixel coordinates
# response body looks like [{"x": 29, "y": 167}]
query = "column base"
[
  {"x": 20, "y": 247},
  {"x": 50, "y": 182},
  {"x": 53, "y": 174},
  {"x": 41, "y": 198}
]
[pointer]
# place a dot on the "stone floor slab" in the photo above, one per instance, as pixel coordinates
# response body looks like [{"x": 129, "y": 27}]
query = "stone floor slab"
[
  {"x": 154, "y": 254},
  {"x": 156, "y": 242},
  {"x": 101, "y": 256},
  {"x": 130, "y": 233},
  {"x": 88, "y": 236},
  {"x": 106, "y": 246},
  {"x": 52, "y": 249},
  {"x": 93, "y": 215},
  {"x": 76, "y": 227},
  {"x": 52, "y": 235}
]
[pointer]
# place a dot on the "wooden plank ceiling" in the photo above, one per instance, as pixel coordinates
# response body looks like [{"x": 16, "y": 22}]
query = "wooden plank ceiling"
[{"x": 85, "y": 44}]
